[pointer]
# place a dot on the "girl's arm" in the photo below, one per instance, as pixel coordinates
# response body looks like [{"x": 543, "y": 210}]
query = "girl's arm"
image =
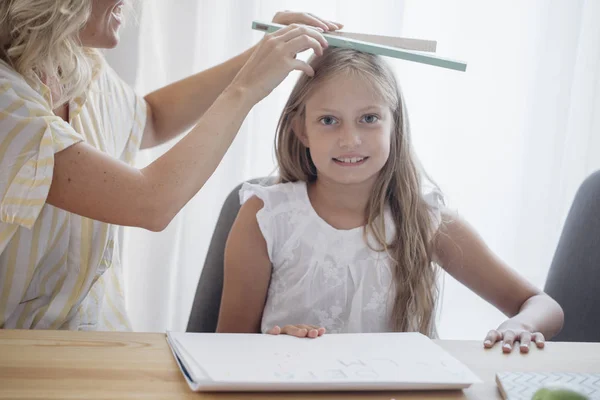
[
  {"x": 247, "y": 277},
  {"x": 247, "y": 273},
  {"x": 532, "y": 314}
]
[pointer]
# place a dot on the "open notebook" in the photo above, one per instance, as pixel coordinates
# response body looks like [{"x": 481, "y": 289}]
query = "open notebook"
[{"x": 384, "y": 361}]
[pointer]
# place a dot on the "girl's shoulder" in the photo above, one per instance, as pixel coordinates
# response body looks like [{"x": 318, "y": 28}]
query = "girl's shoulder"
[
  {"x": 273, "y": 195},
  {"x": 284, "y": 210}
]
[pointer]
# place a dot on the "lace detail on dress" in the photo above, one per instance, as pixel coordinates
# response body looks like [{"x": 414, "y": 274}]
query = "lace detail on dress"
[{"x": 321, "y": 275}]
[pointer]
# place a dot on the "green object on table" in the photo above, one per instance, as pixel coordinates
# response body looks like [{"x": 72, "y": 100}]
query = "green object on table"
[{"x": 558, "y": 393}]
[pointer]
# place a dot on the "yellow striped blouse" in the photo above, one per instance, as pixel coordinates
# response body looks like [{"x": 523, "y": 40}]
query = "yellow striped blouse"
[{"x": 59, "y": 270}]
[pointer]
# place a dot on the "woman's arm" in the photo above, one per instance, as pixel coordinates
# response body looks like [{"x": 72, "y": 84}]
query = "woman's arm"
[
  {"x": 176, "y": 107},
  {"x": 92, "y": 184},
  {"x": 247, "y": 273},
  {"x": 464, "y": 255}
]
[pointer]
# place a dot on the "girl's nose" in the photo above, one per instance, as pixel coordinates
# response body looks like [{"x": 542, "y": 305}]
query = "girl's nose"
[{"x": 349, "y": 139}]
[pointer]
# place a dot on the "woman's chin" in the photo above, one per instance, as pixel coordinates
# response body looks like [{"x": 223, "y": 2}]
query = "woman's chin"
[{"x": 105, "y": 40}]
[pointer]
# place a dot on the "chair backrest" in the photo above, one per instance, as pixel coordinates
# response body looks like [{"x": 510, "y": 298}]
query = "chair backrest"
[
  {"x": 574, "y": 277},
  {"x": 205, "y": 309},
  {"x": 573, "y": 280}
]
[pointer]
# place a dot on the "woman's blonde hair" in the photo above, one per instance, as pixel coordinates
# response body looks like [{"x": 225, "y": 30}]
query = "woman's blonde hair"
[
  {"x": 40, "y": 39},
  {"x": 398, "y": 185}
]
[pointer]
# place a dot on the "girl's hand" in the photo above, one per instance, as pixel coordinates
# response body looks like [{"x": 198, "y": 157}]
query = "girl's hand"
[
  {"x": 275, "y": 57},
  {"x": 511, "y": 332},
  {"x": 290, "y": 17},
  {"x": 301, "y": 331}
]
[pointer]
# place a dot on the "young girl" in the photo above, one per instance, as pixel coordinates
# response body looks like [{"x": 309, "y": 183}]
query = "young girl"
[{"x": 350, "y": 240}]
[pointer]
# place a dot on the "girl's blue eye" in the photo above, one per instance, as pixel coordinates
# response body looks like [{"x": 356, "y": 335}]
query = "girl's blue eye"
[
  {"x": 328, "y": 120},
  {"x": 370, "y": 118}
]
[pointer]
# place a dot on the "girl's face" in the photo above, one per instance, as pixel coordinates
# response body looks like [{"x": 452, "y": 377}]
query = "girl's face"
[
  {"x": 347, "y": 129},
  {"x": 102, "y": 29}
]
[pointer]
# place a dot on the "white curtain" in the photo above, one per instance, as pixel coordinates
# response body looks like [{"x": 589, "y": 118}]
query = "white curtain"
[{"x": 509, "y": 141}]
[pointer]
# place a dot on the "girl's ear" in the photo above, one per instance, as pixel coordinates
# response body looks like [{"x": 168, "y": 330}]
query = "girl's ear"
[{"x": 300, "y": 131}]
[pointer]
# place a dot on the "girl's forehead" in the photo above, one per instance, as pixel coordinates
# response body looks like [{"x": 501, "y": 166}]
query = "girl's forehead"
[{"x": 347, "y": 88}]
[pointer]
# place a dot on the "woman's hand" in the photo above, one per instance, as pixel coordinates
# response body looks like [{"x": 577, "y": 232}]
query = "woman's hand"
[
  {"x": 509, "y": 333},
  {"x": 275, "y": 57},
  {"x": 301, "y": 331},
  {"x": 290, "y": 17}
]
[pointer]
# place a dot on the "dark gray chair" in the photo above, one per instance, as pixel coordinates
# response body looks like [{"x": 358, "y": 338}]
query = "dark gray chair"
[
  {"x": 205, "y": 309},
  {"x": 573, "y": 280},
  {"x": 574, "y": 276}
]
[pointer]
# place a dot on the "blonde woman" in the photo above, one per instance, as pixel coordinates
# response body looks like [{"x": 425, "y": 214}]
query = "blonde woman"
[
  {"x": 69, "y": 131},
  {"x": 351, "y": 239}
]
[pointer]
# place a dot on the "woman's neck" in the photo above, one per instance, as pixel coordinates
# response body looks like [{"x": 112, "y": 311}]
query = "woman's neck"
[
  {"x": 63, "y": 110},
  {"x": 341, "y": 205}
]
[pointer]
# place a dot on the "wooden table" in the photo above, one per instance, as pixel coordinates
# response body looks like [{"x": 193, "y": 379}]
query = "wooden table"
[{"x": 97, "y": 365}]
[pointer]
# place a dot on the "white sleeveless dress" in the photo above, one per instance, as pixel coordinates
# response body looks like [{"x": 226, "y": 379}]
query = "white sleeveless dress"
[{"x": 322, "y": 275}]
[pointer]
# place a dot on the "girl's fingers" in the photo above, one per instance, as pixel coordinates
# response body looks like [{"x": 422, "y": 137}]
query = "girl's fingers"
[
  {"x": 320, "y": 330},
  {"x": 306, "y": 328},
  {"x": 525, "y": 340},
  {"x": 312, "y": 331},
  {"x": 508, "y": 341},
  {"x": 510, "y": 338},
  {"x": 539, "y": 340},
  {"x": 492, "y": 337},
  {"x": 274, "y": 330},
  {"x": 301, "y": 331},
  {"x": 293, "y": 330}
]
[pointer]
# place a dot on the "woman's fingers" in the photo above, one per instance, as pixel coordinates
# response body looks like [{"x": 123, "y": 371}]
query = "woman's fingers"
[
  {"x": 302, "y": 43},
  {"x": 299, "y": 65},
  {"x": 274, "y": 58},
  {"x": 333, "y": 26},
  {"x": 492, "y": 337},
  {"x": 307, "y": 37},
  {"x": 525, "y": 340},
  {"x": 289, "y": 17},
  {"x": 314, "y": 20},
  {"x": 281, "y": 32},
  {"x": 308, "y": 19},
  {"x": 508, "y": 340}
]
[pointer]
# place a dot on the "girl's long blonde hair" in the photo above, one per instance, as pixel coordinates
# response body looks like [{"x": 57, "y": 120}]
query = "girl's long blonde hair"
[
  {"x": 40, "y": 39},
  {"x": 398, "y": 186}
]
